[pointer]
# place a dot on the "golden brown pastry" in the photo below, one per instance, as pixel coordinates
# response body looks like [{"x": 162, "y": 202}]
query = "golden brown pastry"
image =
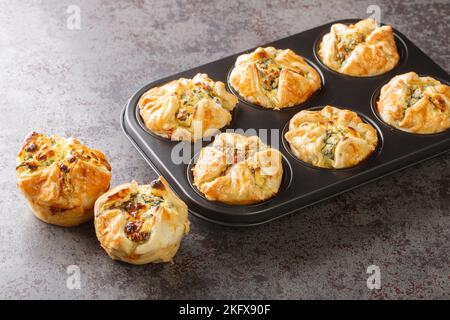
[
  {"x": 331, "y": 137},
  {"x": 362, "y": 49},
  {"x": 61, "y": 179},
  {"x": 187, "y": 109},
  {"x": 415, "y": 104},
  {"x": 140, "y": 224},
  {"x": 237, "y": 169},
  {"x": 274, "y": 78}
]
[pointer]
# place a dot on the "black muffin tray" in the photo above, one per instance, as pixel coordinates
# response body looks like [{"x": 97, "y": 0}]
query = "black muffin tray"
[{"x": 303, "y": 185}]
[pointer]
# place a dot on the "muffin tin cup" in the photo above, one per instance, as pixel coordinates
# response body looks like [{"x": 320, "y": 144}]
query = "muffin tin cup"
[
  {"x": 294, "y": 107},
  {"x": 373, "y": 104},
  {"x": 402, "y": 49},
  {"x": 141, "y": 123},
  {"x": 364, "y": 162},
  {"x": 303, "y": 185},
  {"x": 285, "y": 183}
]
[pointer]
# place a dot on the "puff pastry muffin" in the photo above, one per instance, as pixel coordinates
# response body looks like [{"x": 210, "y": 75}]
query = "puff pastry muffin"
[
  {"x": 274, "y": 78},
  {"x": 61, "y": 178},
  {"x": 331, "y": 137},
  {"x": 239, "y": 170},
  {"x": 415, "y": 104},
  {"x": 140, "y": 224},
  {"x": 361, "y": 49},
  {"x": 187, "y": 109}
]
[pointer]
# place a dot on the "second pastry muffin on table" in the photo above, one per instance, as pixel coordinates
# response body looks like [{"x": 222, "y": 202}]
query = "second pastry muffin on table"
[
  {"x": 237, "y": 169},
  {"x": 331, "y": 137},
  {"x": 274, "y": 78},
  {"x": 140, "y": 224},
  {"x": 187, "y": 109}
]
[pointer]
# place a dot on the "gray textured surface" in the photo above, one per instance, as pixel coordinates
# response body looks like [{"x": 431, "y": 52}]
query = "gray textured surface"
[{"x": 75, "y": 82}]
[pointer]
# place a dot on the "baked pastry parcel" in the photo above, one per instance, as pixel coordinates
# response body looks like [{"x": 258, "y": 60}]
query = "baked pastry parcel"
[
  {"x": 331, "y": 137},
  {"x": 61, "y": 178},
  {"x": 361, "y": 49},
  {"x": 415, "y": 104},
  {"x": 187, "y": 109},
  {"x": 239, "y": 170},
  {"x": 140, "y": 224},
  {"x": 274, "y": 78}
]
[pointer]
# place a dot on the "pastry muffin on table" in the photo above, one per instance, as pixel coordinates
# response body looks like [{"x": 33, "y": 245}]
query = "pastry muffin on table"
[
  {"x": 61, "y": 178},
  {"x": 140, "y": 224},
  {"x": 238, "y": 170},
  {"x": 331, "y": 137},
  {"x": 187, "y": 109},
  {"x": 274, "y": 78},
  {"x": 362, "y": 49},
  {"x": 415, "y": 104}
]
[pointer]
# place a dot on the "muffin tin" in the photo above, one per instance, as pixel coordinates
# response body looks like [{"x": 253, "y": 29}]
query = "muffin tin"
[{"x": 303, "y": 185}]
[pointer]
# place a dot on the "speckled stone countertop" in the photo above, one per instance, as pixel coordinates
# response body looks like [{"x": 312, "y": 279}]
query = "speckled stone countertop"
[{"x": 75, "y": 82}]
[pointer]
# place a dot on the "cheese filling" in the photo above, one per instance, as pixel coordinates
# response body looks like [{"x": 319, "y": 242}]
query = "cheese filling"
[{"x": 139, "y": 210}]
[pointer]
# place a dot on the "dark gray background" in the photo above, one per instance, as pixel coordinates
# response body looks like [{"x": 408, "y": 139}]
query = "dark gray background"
[{"x": 75, "y": 82}]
